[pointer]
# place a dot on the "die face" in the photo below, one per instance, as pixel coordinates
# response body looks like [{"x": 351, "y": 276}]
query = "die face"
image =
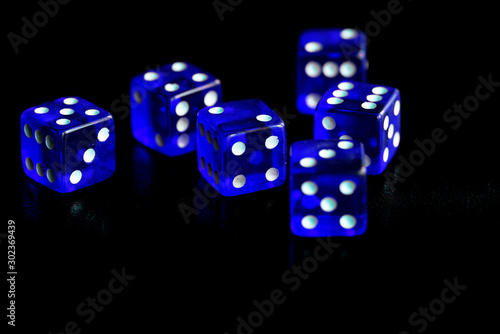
[
  {"x": 241, "y": 147},
  {"x": 89, "y": 154},
  {"x": 164, "y": 104},
  {"x": 364, "y": 112},
  {"x": 327, "y": 188},
  {"x": 342, "y": 40},
  {"x": 39, "y": 160},
  {"x": 67, "y": 144},
  {"x": 325, "y": 57}
]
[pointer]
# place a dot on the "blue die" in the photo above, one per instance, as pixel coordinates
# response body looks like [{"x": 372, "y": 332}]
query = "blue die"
[
  {"x": 67, "y": 144},
  {"x": 326, "y": 57},
  {"x": 241, "y": 147},
  {"x": 327, "y": 188},
  {"x": 164, "y": 104},
  {"x": 364, "y": 112}
]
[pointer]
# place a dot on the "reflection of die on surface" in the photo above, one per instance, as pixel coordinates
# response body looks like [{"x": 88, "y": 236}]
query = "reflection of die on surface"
[
  {"x": 327, "y": 188},
  {"x": 326, "y": 57},
  {"x": 241, "y": 147},
  {"x": 365, "y": 112},
  {"x": 67, "y": 144},
  {"x": 165, "y": 102}
]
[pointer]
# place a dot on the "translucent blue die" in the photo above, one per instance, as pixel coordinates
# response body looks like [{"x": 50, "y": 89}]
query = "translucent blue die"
[
  {"x": 326, "y": 57},
  {"x": 67, "y": 144},
  {"x": 364, "y": 112},
  {"x": 164, "y": 104},
  {"x": 327, "y": 188},
  {"x": 241, "y": 147}
]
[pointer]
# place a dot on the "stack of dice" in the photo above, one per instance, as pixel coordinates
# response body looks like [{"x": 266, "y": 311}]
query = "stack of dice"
[
  {"x": 241, "y": 146},
  {"x": 356, "y": 132}
]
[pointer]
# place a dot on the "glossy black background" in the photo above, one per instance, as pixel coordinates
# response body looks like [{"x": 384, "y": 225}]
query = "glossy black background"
[{"x": 439, "y": 224}]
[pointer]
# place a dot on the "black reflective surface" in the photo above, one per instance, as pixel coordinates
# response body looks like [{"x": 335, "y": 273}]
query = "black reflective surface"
[{"x": 154, "y": 247}]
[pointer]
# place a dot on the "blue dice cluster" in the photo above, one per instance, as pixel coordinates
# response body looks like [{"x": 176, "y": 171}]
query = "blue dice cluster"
[{"x": 241, "y": 146}]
